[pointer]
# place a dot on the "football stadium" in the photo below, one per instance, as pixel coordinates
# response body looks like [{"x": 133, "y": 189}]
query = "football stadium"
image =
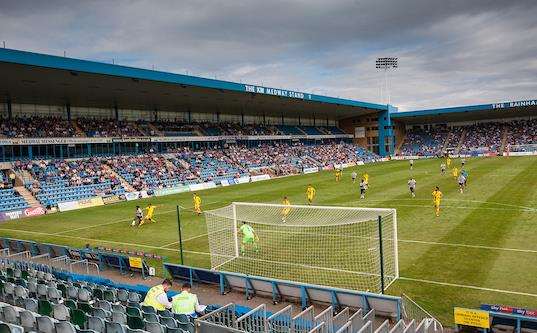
[{"x": 257, "y": 209}]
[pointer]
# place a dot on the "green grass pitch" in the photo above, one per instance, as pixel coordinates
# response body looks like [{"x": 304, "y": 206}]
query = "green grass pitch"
[{"x": 482, "y": 249}]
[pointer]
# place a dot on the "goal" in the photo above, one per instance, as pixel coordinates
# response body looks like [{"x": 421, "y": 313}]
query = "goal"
[{"x": 345, "y": 247}]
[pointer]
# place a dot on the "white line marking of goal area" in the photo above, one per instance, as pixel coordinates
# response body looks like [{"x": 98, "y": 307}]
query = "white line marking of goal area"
[
  {"x": 208, "y": 254},
  {"x": 468, "y": 286}
]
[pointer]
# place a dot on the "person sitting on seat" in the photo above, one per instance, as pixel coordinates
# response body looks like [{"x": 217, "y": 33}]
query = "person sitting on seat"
[
  {"x": 186, "y": 303},
  {"x": 157, "y": 298}
]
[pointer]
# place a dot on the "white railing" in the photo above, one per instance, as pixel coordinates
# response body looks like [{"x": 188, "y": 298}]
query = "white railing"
[{"x": 413, "y": 311}]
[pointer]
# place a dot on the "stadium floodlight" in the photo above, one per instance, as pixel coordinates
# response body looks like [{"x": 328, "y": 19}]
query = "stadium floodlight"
[
  {"x": 345, "y": 247},
  {"x": 386, "y": 64}
]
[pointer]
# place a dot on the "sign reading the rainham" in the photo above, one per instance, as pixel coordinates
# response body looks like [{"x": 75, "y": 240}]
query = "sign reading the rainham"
[{"x": 531, "y": 102}]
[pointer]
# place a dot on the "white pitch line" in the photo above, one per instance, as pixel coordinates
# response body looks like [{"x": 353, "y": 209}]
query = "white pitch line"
[
  {"x": 125, "y": 220},
  {"x": 463, "y": 207},
  {"x": 205, "y": 253},
  {"x": 468, "y": 287},
  {"x": 461, "y": 200},
  {"x": 484, "y": 247},
  {"x": 412, "y": 241}
]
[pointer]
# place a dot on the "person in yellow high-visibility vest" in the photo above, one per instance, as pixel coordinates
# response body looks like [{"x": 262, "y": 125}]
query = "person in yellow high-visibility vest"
[
  {"x": 197, "y": 203},
  {"x": 186, "y": 302},
  {"x": 156, "y": 296}
]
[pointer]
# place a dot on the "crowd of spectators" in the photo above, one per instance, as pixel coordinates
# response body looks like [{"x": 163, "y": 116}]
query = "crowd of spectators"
[
  {"x": 108, "y": 128},
  {"x": 148, "y": 171},
  {"x": 424, "y": 142},
  {"x": 478, "y": 138},
  {"x": 522, "y": 132},
  {"x": 97, "y": 127},
  {"x": 153, "y": 171},
  {"x": 7, "y": 179},
  {"x": 454, "y": 137},
  {"x": 34, "y": 127},
  {"x": 287, "y": 159},
  {"x": 70, "y": 174},
  {"x": 482, "y": 138},
  {"x": 522, "y": 136}
]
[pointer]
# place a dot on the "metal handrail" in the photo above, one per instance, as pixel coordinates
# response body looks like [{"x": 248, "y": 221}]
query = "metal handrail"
[{"x": 424, "y": 314}]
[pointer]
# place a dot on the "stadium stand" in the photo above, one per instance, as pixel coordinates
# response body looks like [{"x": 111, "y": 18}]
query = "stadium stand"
[
  {"x": 37, "y": 127},
  {"x": 59, "y": 180},
  {"x": 421, "y": 142},
  {"x": 482, "y": 138},
  {"x": 38, "y": 297},
  {"x": 311, "y": 130},
  {"x": 289, "y": 130},
  {"x": 147, "y": 171},
  {"x": 522, "y": 135},
  {"x": 9, "y": 199},
  {"x": 454, "y": 139},
  {"x": 212, "y": 165},
  {"x": 475, "y": 139},
  {"x": 108, "y": 128},
  {"x": 55, "y": 181},
  {"x": 40, "y": 127}
]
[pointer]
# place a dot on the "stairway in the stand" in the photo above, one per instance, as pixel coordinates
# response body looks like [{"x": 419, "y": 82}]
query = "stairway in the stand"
[{"x": 28, "y": 197}]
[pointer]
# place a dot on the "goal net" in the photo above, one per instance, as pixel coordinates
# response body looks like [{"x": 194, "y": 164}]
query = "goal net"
[{"x": 343, "y": 247}]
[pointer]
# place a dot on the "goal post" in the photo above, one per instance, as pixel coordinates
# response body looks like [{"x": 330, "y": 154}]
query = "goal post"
[{"x": 345, "y": 247}]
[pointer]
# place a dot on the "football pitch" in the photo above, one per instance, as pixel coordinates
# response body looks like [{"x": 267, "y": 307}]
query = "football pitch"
[{"x": 482, "y": 249}]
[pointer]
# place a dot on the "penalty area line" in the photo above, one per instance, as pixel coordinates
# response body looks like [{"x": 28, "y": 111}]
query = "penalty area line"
[{"x": 511, "y": 292}]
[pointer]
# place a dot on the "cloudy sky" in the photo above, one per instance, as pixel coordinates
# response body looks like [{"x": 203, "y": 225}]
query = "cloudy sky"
[{"x": 451, "y": 52}]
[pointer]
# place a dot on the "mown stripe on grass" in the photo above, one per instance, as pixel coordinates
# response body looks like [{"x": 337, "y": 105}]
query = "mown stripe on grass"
[{"x": 467, "y": 266}]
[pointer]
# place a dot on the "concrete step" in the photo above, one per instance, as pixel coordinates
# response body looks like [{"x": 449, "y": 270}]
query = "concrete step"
[
  {"x": 128, "y": 187},
  {"x": 504, "y": 139},
  {"x": 27, "y": 195},
  {"x": 155, "y": 129},
  {"x": 79, "y": 130}
]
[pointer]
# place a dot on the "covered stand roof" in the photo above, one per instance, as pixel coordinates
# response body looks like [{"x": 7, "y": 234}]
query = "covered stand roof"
[
  {"x": 45, "y": 79},
  {"x": 525, "y": 108}
]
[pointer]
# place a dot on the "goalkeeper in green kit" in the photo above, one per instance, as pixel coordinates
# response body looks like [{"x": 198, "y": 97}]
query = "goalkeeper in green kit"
[{"x": 248, "y": 238}]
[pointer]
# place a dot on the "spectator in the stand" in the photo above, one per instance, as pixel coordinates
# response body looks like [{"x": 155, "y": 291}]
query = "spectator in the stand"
[
  {"x": 186, "y": 302},
  {"x": 157, "y": 298},
  {"x": 482, "y": 138},
  {"x": 108, "y": 128},
  {"x": 37, "y": 127}
]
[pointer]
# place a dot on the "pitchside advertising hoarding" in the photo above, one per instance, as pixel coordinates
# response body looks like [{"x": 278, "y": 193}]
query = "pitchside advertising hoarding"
[
  {"x": 28, "y": 212},
  {"x": 509, "y": 310}
]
